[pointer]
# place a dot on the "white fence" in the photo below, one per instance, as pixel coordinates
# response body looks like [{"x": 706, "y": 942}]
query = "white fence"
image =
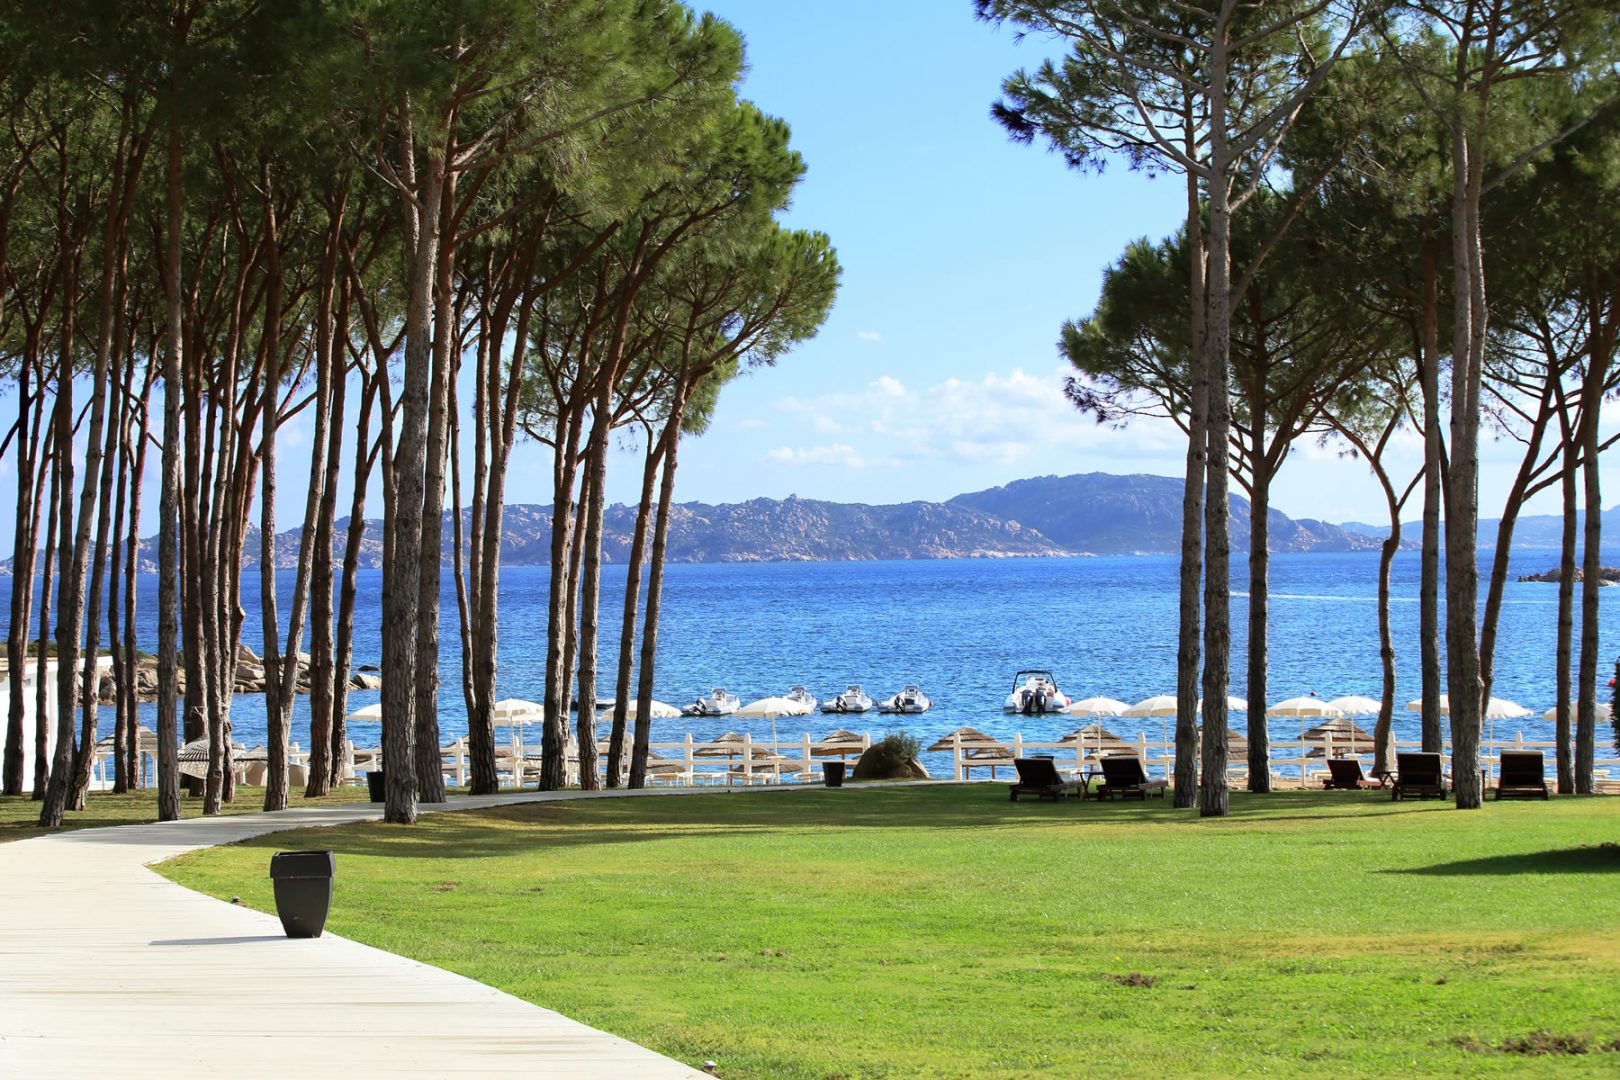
[{"x": 1294, "y": 762}]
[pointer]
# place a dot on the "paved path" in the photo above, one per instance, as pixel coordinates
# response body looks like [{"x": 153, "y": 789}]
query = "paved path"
[{"x": 108, "y": 969}]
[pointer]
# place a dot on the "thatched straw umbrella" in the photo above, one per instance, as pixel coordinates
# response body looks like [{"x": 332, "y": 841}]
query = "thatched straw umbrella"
[
  {"x": 839, "y": 744},
  {"x": 1345, "y": 734},
  {"x": 981, "y": 749}
]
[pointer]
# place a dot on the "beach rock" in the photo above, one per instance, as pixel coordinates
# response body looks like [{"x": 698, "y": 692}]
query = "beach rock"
[
  {"x": 361, "y": 680},
  {"x": 249, "y": 672},
  {"x": 872, "y": 766},
  {"x": 1607, "y": 575},
  {"x": 245, "y": 655}
]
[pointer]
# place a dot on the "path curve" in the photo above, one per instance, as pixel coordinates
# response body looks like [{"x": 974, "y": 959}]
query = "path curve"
[{"x": 108, "y": 968}]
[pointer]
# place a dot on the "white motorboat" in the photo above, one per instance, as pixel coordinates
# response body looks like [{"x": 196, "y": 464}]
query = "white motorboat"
[
  {"x": 910, "y": 700},
  {"x": 852, "y": 700},
  {"x": 801, "y": 696},
  {"x": 717, "y": 703},
  {"x": 1035, "y": 692}
]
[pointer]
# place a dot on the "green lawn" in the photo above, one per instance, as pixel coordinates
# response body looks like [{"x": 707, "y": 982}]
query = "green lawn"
[
  {"x": 19, "y": 815},
  {"x": 943, "y": 931}
]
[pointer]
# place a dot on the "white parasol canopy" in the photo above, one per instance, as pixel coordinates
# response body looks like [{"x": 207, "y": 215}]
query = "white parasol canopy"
[
  {"x": 1495, "y": 709},
  {"x": 1601, "y": 709},
  {"x": 370, "y": 714},
  {"x": 1158, "y": 705},
  {"x": 1302, "y": 706},
  {"x": 1233, "y": 704},
  {"x": 1097, "y": 706},
  {"x": 1356, "y": 705},
  {"x": 772, "y": 707}
]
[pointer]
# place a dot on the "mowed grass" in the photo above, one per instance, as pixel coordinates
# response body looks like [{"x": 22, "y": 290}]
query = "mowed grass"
[
  {"x": 945, "y": 932},
  {"x": 19, "y": 815}
]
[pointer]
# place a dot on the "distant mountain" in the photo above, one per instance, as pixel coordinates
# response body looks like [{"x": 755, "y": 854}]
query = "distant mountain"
[
  {"x": 1091, "y": 513},
  {"x": 1105, "y": 514},
  {"x": 1532, "y": 532}
]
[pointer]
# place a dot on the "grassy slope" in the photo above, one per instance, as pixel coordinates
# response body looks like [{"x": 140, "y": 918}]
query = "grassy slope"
[
  {"x": 943, "y": 931},
  {"x": 19, "y": 815}
]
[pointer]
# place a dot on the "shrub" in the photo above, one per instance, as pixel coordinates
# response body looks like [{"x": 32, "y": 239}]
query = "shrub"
[{"x": 894, "y": 753}]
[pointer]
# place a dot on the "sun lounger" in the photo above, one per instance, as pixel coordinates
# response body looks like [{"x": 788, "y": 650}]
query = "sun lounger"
[
  {"x": 1124, "y": 776},
  {"x": 1344, "y": 774},
  {"x": 1524, "y": 775},
  {"x": 1038, "y": 776},
  {"x": 1417, "y": 776}
]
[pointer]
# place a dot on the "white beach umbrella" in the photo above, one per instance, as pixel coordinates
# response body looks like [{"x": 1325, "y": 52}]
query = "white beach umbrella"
[
  {"x": 1356, "y": 705},
  {"x": 1233, "y": 704},
  {"x": 657, "y": 710},
  {"x": 1601, "y": 709},
  {"x": 1158, "y": 705},
  {"x": 370, "y": 714},
  {"x": 1302, "y": 706},
  {"x": 1495, "y": 709},
  {"x": 772, "y": 707},
  {"x": 516, "y": 711},
  {"x": 1097, "y": 706}
]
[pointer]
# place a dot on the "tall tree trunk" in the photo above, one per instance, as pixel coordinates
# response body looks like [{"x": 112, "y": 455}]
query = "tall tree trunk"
[
  {"x": 348, "y": 585},
  {"x": 1587, "y": 691},
  {"x": 402, "y": 579},
  {"x": 655, "y": 586},
  {"x": 126, "y": 685},
  {"x": 590, "y": 593},
  {"x": 1259, "y": 581},
  {"x": 42, "y": 681},
  {"x": 1382, "y": 732},
  {"x": 1433, "y": 501},
  {"x": 23, "y": 559},
  {"x": 124, "y": 722},
  {"x": 74, "y": 559},
  {"x": 632, "y": 597},
  {"x": 1188, "y": 646},
  {"x": 554, "y": 729},
  {"x": 168, "y": 774},
  {"x": 321, "y": 645},
  {"x": 1464, "y": 685},
  {"x": 429, "y": 763},
  {"x": 1566, "y": 620},
  {"x": 90, "y": 686},
  {"x": 1213, "y": 797}
]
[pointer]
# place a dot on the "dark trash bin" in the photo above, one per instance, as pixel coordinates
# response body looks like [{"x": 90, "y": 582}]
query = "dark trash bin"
[
  {"x": 832, "y": 773},
  {"x": 375, "y": 784},
  {"x": 303, "y": 882}
]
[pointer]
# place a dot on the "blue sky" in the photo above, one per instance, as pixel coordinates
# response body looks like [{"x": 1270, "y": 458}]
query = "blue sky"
[{"x": 963, "y": 253}]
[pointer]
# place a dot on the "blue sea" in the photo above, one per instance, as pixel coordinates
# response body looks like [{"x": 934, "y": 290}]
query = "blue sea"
[{"x": 961, "y": 629}]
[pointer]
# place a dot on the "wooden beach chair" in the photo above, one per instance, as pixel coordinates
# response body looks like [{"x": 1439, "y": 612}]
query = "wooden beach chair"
[
  {"x": 1344, "y": 774},
  {"x": 1039, "y": 776},
  {"x": 1123, "y": 775},
  {"x": 1524, "y": 775},
  {"x": 1418, "y": 776}
]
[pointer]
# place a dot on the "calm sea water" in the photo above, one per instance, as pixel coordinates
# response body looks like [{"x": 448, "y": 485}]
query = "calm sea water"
[{"x": 960, "y": 629}]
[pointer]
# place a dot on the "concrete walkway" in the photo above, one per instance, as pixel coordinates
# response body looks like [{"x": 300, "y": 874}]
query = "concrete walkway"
[{"x": 108, "y": 969}]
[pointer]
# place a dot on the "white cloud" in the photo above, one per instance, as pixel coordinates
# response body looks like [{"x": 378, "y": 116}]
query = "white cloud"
[
  {"x": 840, "y": 455},
  {"x": 868, "y": 335},
  {"x": 999, "y": 419},
  {"x": 753, "y": 423}
]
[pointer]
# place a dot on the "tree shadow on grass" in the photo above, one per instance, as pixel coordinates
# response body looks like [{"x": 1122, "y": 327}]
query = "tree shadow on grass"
[
  {"x": 1599, "y": 859},
  {"x": 510, "y": 830}
]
